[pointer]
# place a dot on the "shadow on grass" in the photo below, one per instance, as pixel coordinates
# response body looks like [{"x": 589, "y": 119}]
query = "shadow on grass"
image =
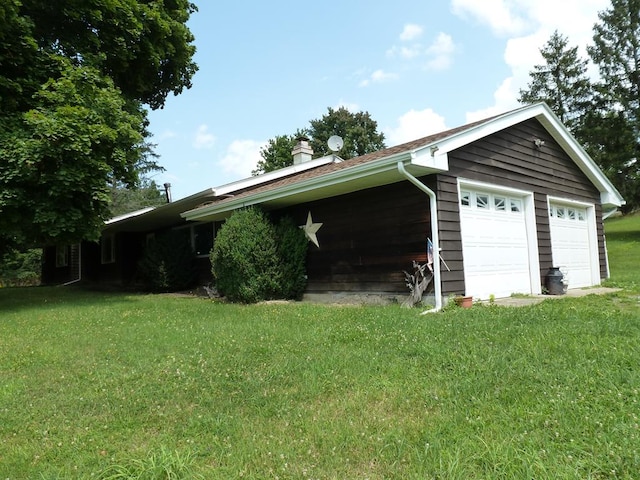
[{"x": 22, "y": 298}]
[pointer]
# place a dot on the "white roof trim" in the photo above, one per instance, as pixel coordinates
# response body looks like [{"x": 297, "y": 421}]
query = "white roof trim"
[
  {"x": 608, "y": 193},
  {"x": 125, "y": 216},
  {"x": 361, "y": 171},
  {"x": 274, "y": 175},
  {"x": 432, "y": 156}
]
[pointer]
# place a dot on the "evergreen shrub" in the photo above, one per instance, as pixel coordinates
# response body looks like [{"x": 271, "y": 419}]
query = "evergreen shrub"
[
  {"x": 254, "y": 260},
  {"x": 292, "y": 247}
]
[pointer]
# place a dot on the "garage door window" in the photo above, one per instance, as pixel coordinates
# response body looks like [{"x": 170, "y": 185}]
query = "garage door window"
[
  {"x": 490, "y": 201},
  {"x": 568, "y": 213}
]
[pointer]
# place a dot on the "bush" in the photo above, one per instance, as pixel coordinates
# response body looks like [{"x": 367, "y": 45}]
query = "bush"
[
  {"x": 292, "y": 247},
  {"x": 167, "y": 264},
  {"x": 20, "y": 268},
  {"x": 253, "y": 260}
]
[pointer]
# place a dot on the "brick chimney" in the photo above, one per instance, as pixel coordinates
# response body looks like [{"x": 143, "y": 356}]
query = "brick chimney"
[{"x": 302, "y": 152}]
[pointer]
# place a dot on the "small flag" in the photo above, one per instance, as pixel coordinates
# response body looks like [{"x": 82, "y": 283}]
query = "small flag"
[{"x": 429, "y": 254}]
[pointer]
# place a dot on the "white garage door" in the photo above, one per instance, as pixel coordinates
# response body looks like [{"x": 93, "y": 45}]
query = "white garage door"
[
  {"x": 494, "y": 244},
  {"x": 570, "y": 244}
]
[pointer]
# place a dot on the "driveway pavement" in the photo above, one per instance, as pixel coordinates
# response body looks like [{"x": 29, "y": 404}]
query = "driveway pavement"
[{"x": 533, "y": 299}]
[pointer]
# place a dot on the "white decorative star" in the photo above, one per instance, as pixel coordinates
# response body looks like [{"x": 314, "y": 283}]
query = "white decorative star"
[{"x": 310, "y": 230}]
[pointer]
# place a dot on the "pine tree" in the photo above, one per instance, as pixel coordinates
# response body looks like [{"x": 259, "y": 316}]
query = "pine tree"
[
  {"x": 562, "y": 82},
  {"x": 614, "y": 122}
]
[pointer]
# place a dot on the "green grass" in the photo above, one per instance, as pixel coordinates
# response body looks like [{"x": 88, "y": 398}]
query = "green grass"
[
  {"x": 623, "y": 245},
  {"x": 98, "y": 385}
]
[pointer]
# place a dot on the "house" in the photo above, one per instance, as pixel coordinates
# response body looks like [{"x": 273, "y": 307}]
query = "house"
[{"x": 511, "y": 196}]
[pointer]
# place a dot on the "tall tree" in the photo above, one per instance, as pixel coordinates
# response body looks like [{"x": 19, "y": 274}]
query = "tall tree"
[
  {"x": 277, "y": 153},
  {"x": 562, "y": 82},
  {"x": 616, "y": 116},
  {"x": 359, "y": 133},
  {"x": 75, "y": 76},
  {"x": 125, "y": 200}
]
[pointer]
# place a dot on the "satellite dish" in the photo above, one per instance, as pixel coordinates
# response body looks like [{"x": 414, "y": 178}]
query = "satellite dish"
[{"x": 335, "y": 143}]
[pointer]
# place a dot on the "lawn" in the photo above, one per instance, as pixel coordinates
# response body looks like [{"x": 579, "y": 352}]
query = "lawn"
[{"x": 93, "y": 385}]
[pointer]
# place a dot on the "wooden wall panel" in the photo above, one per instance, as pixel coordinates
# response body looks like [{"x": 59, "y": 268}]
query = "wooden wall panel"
[
  {"x": 367, "y": 239},
  {"x": 510, "y": 158}
]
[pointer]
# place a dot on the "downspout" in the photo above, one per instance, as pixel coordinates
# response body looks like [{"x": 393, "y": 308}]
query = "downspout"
[
  {"x": 433, "y": 207},
  {"x": 79, "y": 267}
]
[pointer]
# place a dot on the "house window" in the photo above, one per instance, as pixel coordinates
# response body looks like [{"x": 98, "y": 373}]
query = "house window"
[
  {"x": 482, "y": 200},
  {"x": 560, "y": 213},
  {"x": 62, "y": 256},
  {"x": 571, "y": 213},
  {"x": 515, "y": 205},
  {"x": 202, "y": 238},
  {"x": 500, "y": 203},
  {"x": 465, "y": 199},
  {"x": 199, "y": 237},
  {"x": 582, "y": 215},
  {"x": 108, "y": 249}
]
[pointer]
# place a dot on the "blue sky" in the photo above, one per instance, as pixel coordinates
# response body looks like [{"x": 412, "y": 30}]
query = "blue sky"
[{"x": 417, "y": 66}]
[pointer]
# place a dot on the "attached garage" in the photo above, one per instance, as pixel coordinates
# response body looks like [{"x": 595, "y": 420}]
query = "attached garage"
[
  {"x": 499, "y": 254},
  {"x": 573, "y": 242}
]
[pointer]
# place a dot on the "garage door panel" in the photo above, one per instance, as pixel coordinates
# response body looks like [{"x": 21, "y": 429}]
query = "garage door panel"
[
  {"x": 570, "y": 245},
  {"x": 495, "y": 245}
]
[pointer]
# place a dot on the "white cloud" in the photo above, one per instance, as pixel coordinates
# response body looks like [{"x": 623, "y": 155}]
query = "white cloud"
[
  {"x": 411, "y": 31},
  {"x": 499, "y": 15},
  {"x": 379, "y": 76},
  {"x": 528, "y": 26},
  {"x": 406, "y": 52},
  {"x": 438, "y": 55},
  {"x": 413, "y": 125},
  {"x": 203, "y": 138},
  {"x": 352, "y": 107},
  {"x": 242, "y": 157},
  {"x": 441, "y": 52},
  {"x": 167, "y": 134},
  {"x": 504, "y": 100}
]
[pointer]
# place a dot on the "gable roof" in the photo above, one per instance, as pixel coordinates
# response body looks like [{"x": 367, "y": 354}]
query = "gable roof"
[{"x": 424, "y": 156}]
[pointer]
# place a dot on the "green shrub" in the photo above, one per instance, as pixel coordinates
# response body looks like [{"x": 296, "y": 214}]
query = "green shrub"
[
  {"x": 253, "y": 260},
  {"x": 20, "y": 268},
  {"x": 167, "y": 264},
  {"x": 292, "y": 247}
]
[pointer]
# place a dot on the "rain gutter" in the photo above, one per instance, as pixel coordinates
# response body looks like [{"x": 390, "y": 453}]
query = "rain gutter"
[{"x": 433, "y": 207}]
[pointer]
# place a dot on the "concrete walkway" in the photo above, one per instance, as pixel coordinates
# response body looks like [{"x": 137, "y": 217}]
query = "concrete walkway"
[{"x": 533, "y": 299}]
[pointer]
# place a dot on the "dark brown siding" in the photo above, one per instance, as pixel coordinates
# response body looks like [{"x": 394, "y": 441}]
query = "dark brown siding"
[
  {"x": 450, "y": 238},
  {"x": 367, "y": 239},
  {"x": 510, "y": 158}
]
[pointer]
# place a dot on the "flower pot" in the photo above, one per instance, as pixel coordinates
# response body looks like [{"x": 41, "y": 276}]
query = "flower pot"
[{"x": 464, "y": 302}]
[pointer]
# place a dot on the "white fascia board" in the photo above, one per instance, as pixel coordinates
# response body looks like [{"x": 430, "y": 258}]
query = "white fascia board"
[
  {"x": 274, "y": 175},
  {"x": 430, "y": 157},
  {"x": 609, "y": 195},
  {"x": 203, "y": 195},
  {"x": 383, "y": 165},
  {"x": 465, "y": 137},
  {"x": 540, "y": 111},
  {"x": 126, "y": 216}
]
